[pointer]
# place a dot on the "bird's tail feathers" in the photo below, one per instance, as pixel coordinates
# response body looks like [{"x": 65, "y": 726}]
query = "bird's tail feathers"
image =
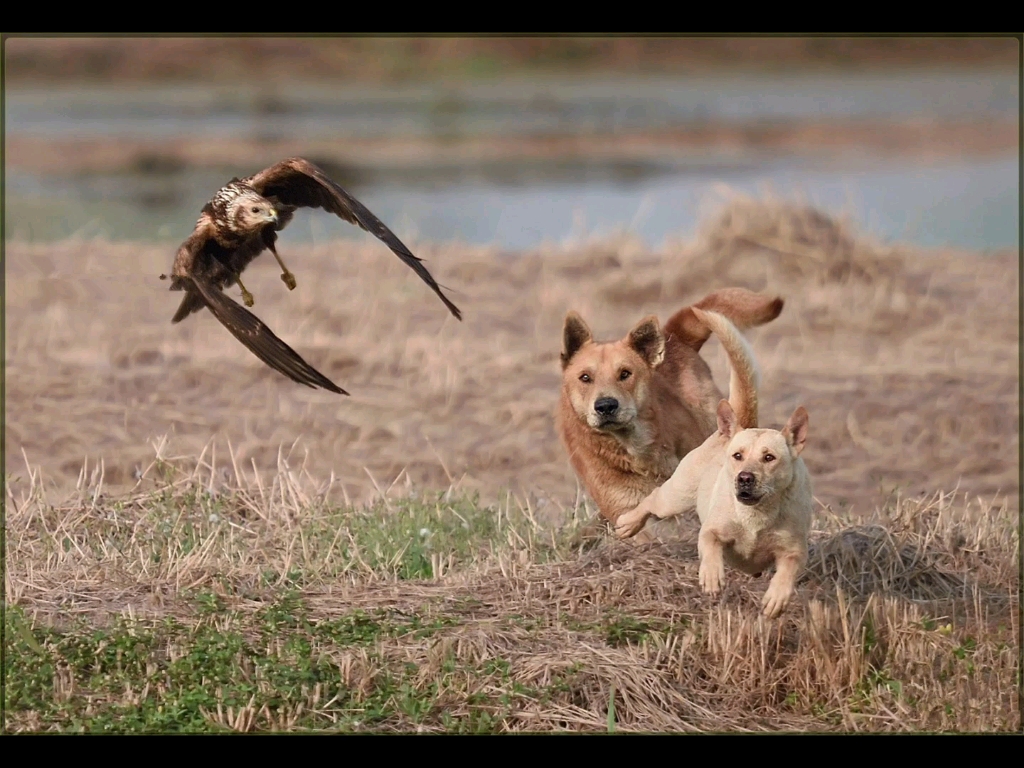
[{"x": 192, "y": 303}]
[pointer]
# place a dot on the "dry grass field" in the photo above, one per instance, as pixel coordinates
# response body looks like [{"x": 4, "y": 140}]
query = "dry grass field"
[
  {"x": 194, "y": 542},
  {"x": 906, "y": 361}
]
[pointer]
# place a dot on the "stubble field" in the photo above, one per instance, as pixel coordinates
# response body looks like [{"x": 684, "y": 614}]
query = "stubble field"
[{"x": 195, "y": 542}]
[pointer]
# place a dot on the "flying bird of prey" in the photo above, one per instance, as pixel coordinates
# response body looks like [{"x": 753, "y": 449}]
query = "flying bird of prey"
[{"x": 237, "y": 225}]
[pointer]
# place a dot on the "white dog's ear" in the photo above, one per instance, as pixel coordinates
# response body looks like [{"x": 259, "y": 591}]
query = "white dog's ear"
[
  {"x": 648, "y": 341},
  {"x": 796, "y": 430},
  {"x": 726, "y": 419},
  {"x": 575, "y": 334}
]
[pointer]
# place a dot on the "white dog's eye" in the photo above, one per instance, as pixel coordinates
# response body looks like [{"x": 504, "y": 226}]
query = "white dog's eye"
[
  {"x": 738, "y": 456},
  {"x": 585, "y": 378},
  {"x": 624, "y": 375},
  {"x": 768, "y": 457}
]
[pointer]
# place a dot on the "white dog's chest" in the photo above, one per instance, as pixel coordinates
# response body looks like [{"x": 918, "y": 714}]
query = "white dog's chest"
[{"x": 752, "y": 551}]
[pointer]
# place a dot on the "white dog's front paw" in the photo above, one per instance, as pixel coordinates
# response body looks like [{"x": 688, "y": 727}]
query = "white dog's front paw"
[
  {"x": 775, "y": 599},
  {"x": 629, "y": 524},
  {"x": 710, "y": 576}
]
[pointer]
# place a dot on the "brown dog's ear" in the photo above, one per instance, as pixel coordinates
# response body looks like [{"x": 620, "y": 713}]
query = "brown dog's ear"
[
  {"x": 648, "y": 341},
  {"x": 726, "y": 419},
  {"x": 795, "y": 430},
  {"x": 575, "y": 334}
]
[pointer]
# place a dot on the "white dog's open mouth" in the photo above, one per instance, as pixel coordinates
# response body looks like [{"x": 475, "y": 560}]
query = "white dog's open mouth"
[{"x": 747, "y": 496}]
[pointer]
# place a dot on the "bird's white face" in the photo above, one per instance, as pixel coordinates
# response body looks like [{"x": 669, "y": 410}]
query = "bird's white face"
[{"x": 249, "y": 212}]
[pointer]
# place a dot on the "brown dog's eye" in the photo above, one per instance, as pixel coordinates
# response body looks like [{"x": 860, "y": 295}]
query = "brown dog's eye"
[
  {"x": 585, "y": 378},
  {"x": 624, "y": 375},
  {"x": 738, "y": 456},
  {"x": 768, "y": 457}
]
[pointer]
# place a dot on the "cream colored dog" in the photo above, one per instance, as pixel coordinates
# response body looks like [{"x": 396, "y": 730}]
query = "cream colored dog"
[{"x": 749, "y": 486}]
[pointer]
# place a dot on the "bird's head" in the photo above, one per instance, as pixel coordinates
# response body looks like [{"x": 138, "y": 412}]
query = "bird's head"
[{"x": 250, "y": 212}]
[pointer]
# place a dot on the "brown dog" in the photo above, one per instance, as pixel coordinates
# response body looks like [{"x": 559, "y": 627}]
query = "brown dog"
[
  {"x": 631, "y": 409},
  {"x": 749, "y": 487}
]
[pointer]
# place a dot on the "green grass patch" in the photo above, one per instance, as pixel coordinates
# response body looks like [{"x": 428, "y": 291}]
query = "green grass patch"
[{"x": 276, "y": 664}]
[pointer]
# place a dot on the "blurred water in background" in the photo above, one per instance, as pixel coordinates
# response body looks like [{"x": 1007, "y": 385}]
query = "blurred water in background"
[{"x": 960, "y": 201}]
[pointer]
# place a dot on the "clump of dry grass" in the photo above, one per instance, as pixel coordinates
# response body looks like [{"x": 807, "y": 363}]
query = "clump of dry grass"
[
  {"x": 927, "y": 550},
  {"x": 807, "y": 244}
]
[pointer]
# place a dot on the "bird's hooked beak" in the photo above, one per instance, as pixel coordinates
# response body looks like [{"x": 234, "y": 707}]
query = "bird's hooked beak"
[{"x": 272, "y": 217}]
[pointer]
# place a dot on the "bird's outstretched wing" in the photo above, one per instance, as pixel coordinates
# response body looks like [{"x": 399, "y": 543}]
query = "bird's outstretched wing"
[
  {"x": 298, "y": 182},
  {"x": 260, "y": 340}
]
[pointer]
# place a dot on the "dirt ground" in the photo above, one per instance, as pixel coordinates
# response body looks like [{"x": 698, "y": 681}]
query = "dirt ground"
[
  {"x": 351, "y": 158},
  {"x": 907, "y": 360}
]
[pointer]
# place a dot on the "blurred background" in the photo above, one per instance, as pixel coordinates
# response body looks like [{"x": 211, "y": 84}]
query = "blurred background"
[
  {"x": 517, "y": 141},
  {"x": 872, "y": 182}
]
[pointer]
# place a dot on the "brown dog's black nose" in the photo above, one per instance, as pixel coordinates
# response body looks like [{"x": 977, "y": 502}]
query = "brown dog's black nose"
[
  {"x": 745, "y": 478},
  {"x": 606, "y": 406}
]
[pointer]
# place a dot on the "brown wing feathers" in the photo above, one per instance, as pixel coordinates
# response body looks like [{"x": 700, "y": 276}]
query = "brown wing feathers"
[
  {"x": 260, "y": 340},
  {"x": 290, "y": 184},
  {"x": 297, "y": 182}
]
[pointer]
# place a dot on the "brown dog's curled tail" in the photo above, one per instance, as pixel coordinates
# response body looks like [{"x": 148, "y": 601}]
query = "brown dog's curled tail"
[{"x": 745, "y": 309}]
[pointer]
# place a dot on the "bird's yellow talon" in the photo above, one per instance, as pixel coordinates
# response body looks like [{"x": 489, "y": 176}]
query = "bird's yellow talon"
[
  {"x": 246, "y": 296},
  {"x": 286, "y": 275}
]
